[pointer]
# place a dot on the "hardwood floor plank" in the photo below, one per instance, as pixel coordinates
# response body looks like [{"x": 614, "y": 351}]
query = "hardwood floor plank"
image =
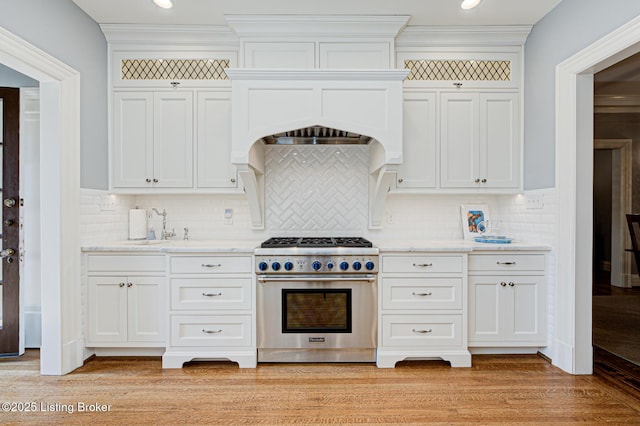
[{"x": 496, "y": 390}]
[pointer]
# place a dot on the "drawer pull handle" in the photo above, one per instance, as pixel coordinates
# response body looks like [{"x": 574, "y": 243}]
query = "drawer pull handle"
[
  {"x": 422, "y": 265},
  {"x": 422, "y": 331},
  {"x": 211, "y": 294},
  {"x": 211, "y": 265},
  {"x": 505, "y": 263},
  {"x": 420, "y": 294},
  {"x": 211, "y": 331}
]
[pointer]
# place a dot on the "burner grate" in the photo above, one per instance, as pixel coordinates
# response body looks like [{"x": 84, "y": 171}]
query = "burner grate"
[{"x": 283, "y": 242}]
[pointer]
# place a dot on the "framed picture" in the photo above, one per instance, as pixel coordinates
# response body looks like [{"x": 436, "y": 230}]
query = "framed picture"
[{"x": 472, "y": 215}]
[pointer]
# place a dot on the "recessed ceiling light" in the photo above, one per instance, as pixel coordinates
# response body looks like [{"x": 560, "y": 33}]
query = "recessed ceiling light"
[
  {"x": 166, "y": 4},
  {"x": 469, "y": 4}
]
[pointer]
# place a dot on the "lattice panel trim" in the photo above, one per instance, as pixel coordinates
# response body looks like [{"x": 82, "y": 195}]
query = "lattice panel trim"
[
  {"x": 460, "y": 70},
  {"x": 174, "y": 69}
]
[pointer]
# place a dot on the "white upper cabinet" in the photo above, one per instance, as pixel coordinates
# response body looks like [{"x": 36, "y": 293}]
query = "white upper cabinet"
[
  {"x": 152, "y": 140},
  {"x": 480, "y": 140},
  {"x": 132, "y": 149},
  {"x": 173, "y": 140},
  {"x": 213, "y": 136},
  {"x": 420, "y": 143}
]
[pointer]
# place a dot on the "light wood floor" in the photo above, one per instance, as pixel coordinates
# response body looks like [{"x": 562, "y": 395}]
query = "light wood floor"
[{"x": 497, "y": 389}]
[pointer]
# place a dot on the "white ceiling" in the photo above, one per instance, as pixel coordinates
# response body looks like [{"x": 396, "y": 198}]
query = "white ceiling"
[{"x": 422, "y": 12}]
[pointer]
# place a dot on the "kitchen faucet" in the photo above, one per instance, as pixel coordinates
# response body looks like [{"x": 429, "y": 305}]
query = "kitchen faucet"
[{"x": 165, "y": 234}]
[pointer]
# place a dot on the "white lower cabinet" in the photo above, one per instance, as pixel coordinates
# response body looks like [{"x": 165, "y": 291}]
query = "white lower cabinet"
[
  {"x": 212, "y": 309},
  {"x": 507, "y": 300},
  {"x": 423, "y": 308},
  {"x": 126, "y": 304}
]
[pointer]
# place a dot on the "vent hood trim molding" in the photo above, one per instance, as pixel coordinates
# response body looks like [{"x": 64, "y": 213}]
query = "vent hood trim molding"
[{"x": 239, "y": 74}]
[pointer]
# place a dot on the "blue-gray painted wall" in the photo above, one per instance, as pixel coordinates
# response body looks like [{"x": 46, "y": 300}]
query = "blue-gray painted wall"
[
  {"x": 12, "y": 78},
  {"x": 567, "y": 29},
  {"x": 64, "y": 31}
]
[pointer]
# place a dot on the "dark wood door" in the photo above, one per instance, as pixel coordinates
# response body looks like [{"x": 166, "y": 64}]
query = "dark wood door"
[{"x": 10, "y": 152}]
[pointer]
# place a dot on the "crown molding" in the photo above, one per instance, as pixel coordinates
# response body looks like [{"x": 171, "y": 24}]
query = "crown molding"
[
  {"x": 429, "y": 36},
  {"x": 317, "y": 26},
  {"x": 169, "y": 34}
]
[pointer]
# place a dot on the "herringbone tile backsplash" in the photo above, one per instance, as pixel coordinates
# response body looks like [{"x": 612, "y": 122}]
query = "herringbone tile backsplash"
[{"x": 312, "y": 189}]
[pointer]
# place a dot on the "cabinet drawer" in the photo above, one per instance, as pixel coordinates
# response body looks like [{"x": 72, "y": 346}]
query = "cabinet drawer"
[
  {"x": 125, "y": 263},
  {"x": 210, "y": 264},
  {"x": 421, "y": 330},
  {"x": 506, "y": 262},
  {"x": 210, "y": 330},
  {"x": 211, "y": 293},
  {"x": 421, "y": 264},
  {"x": 422, "y": 293}
]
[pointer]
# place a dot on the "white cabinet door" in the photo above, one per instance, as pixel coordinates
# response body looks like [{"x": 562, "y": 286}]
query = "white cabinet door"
[
  {"x": 480, "y": 142},
  {"x": 485, "y": 309},
  {"x": 507, "y": 310},
  {"x": 132, "y": 154},
  {"x": 525, "y": 314},
  {"x": 213, "y": 132},
  {"x": 459, "y": 137},
  {"x": 420, "y": 153},
  {"x": 146, "y": 309},
  {"x": 107, "y": 309},
  {"x": 173, "y": 140},
  {"x": 499, "y": 151}
]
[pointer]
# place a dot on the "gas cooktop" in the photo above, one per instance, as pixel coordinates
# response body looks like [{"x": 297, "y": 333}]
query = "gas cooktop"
[{"x": 284, "y": 242}]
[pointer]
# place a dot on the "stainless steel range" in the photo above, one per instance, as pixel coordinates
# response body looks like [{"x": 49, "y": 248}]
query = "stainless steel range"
[{"x": 317, "y": 300}]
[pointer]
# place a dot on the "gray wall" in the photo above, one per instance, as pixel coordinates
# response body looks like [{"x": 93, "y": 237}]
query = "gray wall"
[
  {"x": 12, "y": 78},
  {"x": 567, "y": 29},
  {"x": 61, "y": 29}
]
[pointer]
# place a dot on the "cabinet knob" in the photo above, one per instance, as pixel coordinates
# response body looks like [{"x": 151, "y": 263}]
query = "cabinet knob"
[
  {"x": 129, "y": 284},
  {"x": 477, "y": 181},
  {"x": 233, "y": 180},
  {"x": 483, "y": 181},
  {"x": 148, "y": 180},
  {"x": 400, "y": 180},
  {"x": 121, "y": 285},
  {"x": 155, "y": 180},
  {"x": 174, "y": 84},
  {"x": 458, "y": 85},
  {"x": 503, "y": 284},
  {"x": 511, "y": 284}
]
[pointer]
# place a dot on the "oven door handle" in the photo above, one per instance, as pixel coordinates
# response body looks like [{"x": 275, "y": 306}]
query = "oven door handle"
[{"x": 272, "y": 278}]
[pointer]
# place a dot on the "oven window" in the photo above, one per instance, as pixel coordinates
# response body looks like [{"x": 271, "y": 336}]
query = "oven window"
[{"x": 316, "y": 310}]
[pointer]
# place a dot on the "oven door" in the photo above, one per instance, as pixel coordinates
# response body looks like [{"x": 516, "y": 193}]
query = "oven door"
[{"x": 317, "y": 312}]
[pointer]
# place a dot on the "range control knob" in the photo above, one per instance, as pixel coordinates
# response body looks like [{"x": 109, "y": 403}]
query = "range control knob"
[
  {"x": 344, "y": 266},
  {"x": 275, "y": 266},
  {"x": 330, "y": 265},
  {"x": 369, "y": 265},
  {"x": 263, "y": 266},
  {"x": 288, "y": 266},
  {"x": 316, "y": 265},
  {"x": 357, "y": 266}
]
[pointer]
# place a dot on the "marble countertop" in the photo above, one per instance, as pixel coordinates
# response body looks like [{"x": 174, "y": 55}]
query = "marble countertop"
[
  {"x": 176, "y": 246},
  {"x": 247, "y": 246},
  {"x": 454, "y": 246}
]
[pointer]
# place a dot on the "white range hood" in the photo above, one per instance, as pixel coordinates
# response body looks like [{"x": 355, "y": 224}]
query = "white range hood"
[
  {"x": 266, "y": 102},
  {"x": 365, "y": 101}
]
